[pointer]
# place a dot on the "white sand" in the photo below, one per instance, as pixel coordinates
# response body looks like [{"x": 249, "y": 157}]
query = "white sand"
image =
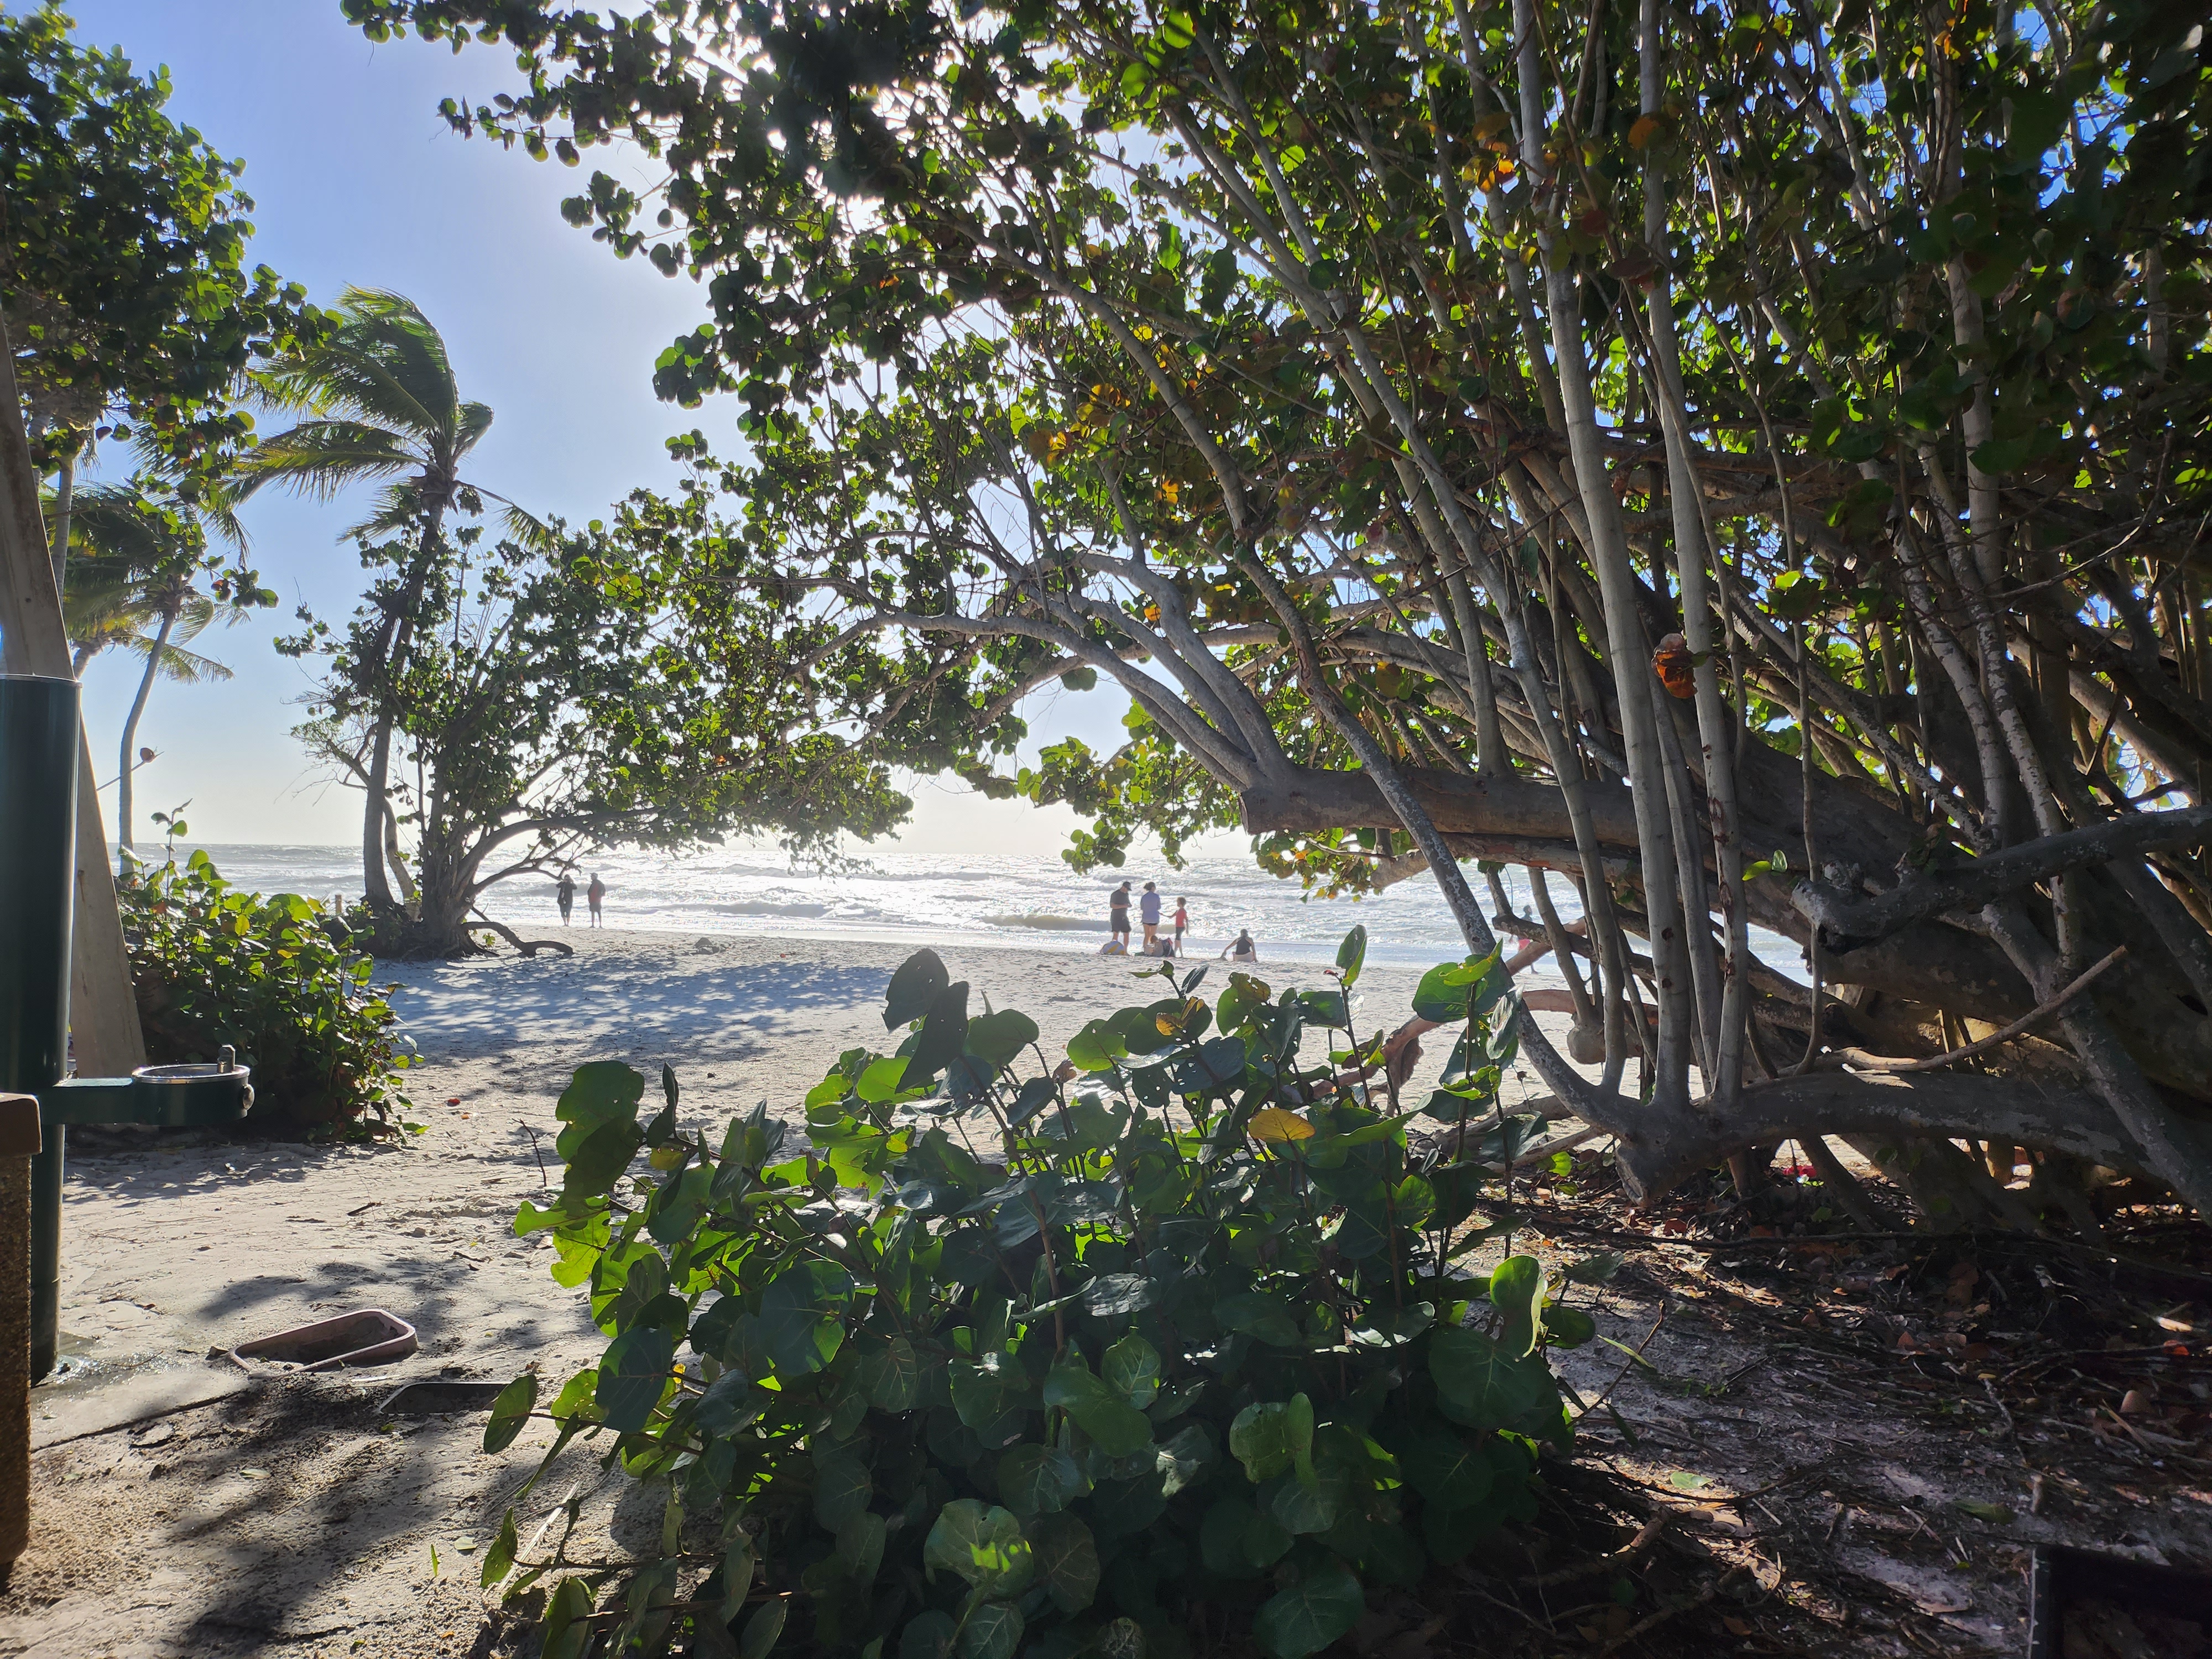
[{"x": 292, "y": 1517}]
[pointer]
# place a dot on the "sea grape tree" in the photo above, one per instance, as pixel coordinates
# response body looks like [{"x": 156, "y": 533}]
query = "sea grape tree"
[{"x": 1743, "y": 457}]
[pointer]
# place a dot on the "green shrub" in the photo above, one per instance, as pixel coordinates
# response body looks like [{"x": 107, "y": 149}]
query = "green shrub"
[
  {"x": 996, "y": 1364},
  {"x": 275, "y": 979}
]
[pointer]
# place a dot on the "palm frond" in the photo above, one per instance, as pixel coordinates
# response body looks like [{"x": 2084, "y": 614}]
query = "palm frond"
[
  {"x": 184, "y": 667},
  {"x": 398, "y": 506},
  {"x": 475, "y": 421},
  {"x": 383, "y": 363},
  {"x": 525, "y": 528},
  {"x": 321, "y": 458}
]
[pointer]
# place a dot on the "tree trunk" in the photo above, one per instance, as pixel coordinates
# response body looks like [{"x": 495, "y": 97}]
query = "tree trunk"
[
  {"x": 103, "y": 1004},
  {"x": 376, "y": 882},
  {"x": 64, "y": 496},
  {"x": 131, "y": 725}
]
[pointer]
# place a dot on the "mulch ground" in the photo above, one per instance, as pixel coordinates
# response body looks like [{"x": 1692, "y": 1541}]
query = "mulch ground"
[{"x": 1805, "y": 1441}]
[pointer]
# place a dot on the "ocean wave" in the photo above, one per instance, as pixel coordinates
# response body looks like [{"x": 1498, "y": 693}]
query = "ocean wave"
[
  {"x": 1050, "y": 924},
  {"x": 761, "y": 908}
]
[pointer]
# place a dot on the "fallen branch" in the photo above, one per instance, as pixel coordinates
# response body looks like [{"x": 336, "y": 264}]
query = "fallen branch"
[
  {"x": 1646, "y": 1536},
  {"x": 529, "y": 947},
  {"x": 1858, "y": 1060},
  {"x": 1645, "y": 1626}
]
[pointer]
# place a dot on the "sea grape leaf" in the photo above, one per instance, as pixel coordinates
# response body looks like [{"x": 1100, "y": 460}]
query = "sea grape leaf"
[
  {"x": 801, "y": 1323},
  {"x": 1035, "y": 1480},
  {"x": 860, "y": 1546},
  {"x": 510, "y": 1410},
  {"x": 995, "y": 1039},
  {"x": 1242, "y": 994},
  {"x": 983, "y": 1544},
  {"x": 765, "y": 1629},
  {"x": 1261, "y": 1316},
  {"x": 1111, "y": 1295},
  {"x": 1271, "y": 1435},
  {"x": 943, "y": 1035},
  {"x": 1131, "y": 1368},
  {"x": 1517, "y": 1290},
  {"x": 1237, "y": 1541},
  {"x": 1096, "y": 1047},
  {"x": 633, "y": 1376},
  {"x": 1445, "y": 1468},
  {"x": 891, "y": 1377},
  {"x": 1066, "y": 1562},
  {"x": 1351, "y": 955},
  {"x": 728, "y": 1405},
  {"x": 1324, "y": 1604},
  {"x": 1568, "y": 1328},
  {"x": 993, "y": 1630},
  {"x": 600, "y": 1157},
  {"x": 927, "y": 1636},
  {"x": 601, "y": 1091},
  {"x": 842, "y": 1485},
  {"x": 1119, "y": 1428},
  {"x": 913, "y": 990}
]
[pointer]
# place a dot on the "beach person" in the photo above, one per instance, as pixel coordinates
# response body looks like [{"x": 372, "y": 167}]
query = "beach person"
[
  {"x": 595, "y": 895},
  {"x": 1181, "y": 922},
  {"x": 1241, "y": 949},
  {"x": 1148, "y": 909},
  {"x": 1117, "y": 915},
  {"x": 565, "y": 896}
]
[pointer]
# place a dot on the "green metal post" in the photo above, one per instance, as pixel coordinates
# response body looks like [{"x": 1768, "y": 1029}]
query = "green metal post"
[{"x": 37, "y": 879}]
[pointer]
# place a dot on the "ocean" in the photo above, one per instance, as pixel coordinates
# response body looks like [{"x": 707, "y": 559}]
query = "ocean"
[{"x": 1029, "y": 903}]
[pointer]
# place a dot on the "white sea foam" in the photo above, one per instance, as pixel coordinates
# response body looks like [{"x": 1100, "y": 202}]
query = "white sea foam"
[{"x": 1035, "y": 903}]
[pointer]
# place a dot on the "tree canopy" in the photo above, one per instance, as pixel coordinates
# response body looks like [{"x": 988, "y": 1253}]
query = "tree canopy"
[
  {"x": 1439, "y": 415},
  {"x": 552, "y": 699},
  {"x": 122, "y": 272}
]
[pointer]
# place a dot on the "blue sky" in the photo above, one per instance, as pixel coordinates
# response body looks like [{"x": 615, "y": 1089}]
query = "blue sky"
[{"x": 356, "y": 179}]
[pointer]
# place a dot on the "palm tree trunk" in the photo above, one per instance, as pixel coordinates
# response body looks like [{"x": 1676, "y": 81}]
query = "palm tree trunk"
[
  {"x": 65, "y": 494},
  {"x": 131, "y": 725},
  {"x": 376, "y": 880}
]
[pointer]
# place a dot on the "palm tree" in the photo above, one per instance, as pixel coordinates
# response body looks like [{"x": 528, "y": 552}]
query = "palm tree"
[
  {"x": 381, "y": 403},
  {"x": 140, "y": 570}
]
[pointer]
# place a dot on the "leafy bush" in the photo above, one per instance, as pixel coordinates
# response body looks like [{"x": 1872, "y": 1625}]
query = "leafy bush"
[
  {"x": 272, "y": 977},
  {"x": 995, "y": 1365}
]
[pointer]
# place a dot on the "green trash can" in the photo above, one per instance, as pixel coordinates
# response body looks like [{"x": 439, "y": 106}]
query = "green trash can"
[
  {"x": 38, "y": 874},
  {"x": 37, "y": 879}
]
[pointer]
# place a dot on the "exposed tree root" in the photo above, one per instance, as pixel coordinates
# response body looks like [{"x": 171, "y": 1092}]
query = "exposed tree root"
[{"x": 529, "y": 947}]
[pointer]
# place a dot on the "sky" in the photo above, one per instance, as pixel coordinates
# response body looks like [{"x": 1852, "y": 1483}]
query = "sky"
[{"x": 357, "y": 180}]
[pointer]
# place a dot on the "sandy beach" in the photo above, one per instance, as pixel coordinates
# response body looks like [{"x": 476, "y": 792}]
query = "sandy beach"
[
  {"x": 184, "y": 1508},
  {"x": 295, "y": 1516}
]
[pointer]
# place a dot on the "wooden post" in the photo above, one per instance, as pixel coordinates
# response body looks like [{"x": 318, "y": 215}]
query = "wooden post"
[
  {"x": 103, "y": 1006},
  {"x": 19, "y": 1142}
]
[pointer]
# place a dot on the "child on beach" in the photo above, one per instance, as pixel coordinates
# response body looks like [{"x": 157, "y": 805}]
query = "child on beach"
[
  {"x": 1181, "y": 922},
  {"x": 1241, "y": 949}
]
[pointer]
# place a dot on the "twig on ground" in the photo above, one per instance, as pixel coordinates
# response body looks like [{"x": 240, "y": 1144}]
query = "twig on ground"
[
  {"x": 1645, "y": 1626},
  {"x": 1645, "y": 1537}
]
